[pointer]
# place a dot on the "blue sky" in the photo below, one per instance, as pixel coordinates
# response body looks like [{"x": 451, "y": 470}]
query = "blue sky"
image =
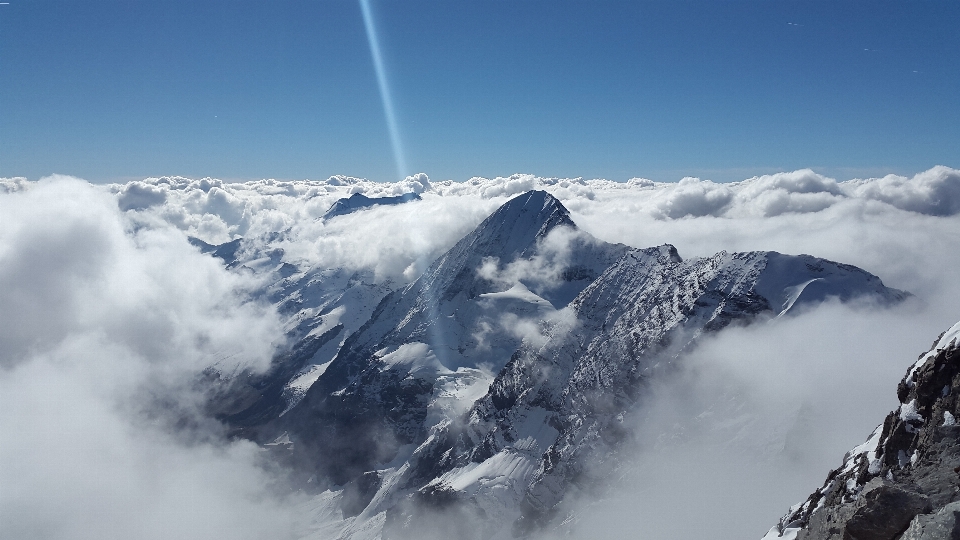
[{"x": 241, "y": 90}]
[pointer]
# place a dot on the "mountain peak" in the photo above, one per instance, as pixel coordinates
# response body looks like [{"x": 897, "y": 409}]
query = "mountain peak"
[
  {"x": 514, "y": 229},
  {"x": 359, "y": 201}
]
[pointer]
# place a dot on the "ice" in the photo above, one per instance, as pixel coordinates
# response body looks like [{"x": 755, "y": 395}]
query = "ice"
[
  {"x": 521, "y": 293},
  {"x": 455, "y": 392},
  {"x": 534, "y": 434},
  {"x": 794, "y": 292},
  {"x": 870, "y": 445},
  {"x": 297, "y": 388},
  {"x": 909, "y": 414}
]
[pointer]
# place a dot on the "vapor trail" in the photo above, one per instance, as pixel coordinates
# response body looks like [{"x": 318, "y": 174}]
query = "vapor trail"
[{"x": 384, "y": 89}]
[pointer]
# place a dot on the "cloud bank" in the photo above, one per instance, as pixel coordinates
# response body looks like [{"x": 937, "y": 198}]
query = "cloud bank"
[{"x": 103, "y": 329}]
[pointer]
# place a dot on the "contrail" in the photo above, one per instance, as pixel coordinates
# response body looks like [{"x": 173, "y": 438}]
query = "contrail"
[{"x": 384, "y": 89}]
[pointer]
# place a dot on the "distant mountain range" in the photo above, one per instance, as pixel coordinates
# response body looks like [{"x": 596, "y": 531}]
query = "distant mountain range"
[
  {"x": 359, "y": 201},
  {"x": 466, "y": 404}
]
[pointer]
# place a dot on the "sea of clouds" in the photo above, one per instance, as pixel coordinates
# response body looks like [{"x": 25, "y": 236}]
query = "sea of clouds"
[{"x": 107, "y": 314}]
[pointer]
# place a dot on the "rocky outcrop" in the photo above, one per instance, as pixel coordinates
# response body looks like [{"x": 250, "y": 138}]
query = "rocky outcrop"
[
  {"x": 943, "y": 525},
  {"x": 904, "y": 481}
]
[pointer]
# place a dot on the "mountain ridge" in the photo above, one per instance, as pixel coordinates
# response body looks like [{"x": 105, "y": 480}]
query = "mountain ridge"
[
  {"x": 485, "y": 386},
  {"x": 902, "y": 483}
]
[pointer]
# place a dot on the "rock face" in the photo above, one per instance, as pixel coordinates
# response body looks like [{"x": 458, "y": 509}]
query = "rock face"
[
  {"x": 944, "y": 525},
  {"x": 904, "y": 482},
  {"x": 471, "y": 400}
]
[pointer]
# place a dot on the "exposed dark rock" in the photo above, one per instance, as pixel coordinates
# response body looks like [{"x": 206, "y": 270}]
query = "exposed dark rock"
[
  {"x": 944, "y": 525},
  {"x": 908, "y": 468},
  {"x": 884, "y": 511},
  {"x": 249, "y": 401},
  {"x": 227, "y": 252}
]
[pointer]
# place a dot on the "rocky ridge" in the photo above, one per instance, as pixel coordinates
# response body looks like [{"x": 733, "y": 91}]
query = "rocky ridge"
[
  {"x": 903, "y": 483},
  {"x": 560, "y": 404}
]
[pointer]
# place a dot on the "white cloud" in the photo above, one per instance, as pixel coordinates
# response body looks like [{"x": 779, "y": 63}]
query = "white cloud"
[
  {"x": 506, "y": 187},
  {"x": 103, "y": 329},
  {"x": 692, "y": 197},
  {"x": 935, "y": 192},
  {"x": 9, "y": 185},
  {"x": 791, "y": 192},
  {"x": 140, "y": 195},
  {"x": 542, "y": 271}
]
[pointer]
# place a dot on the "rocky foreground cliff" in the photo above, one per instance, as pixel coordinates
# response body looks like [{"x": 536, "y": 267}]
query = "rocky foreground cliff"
[{"x": 903, "y": 483}]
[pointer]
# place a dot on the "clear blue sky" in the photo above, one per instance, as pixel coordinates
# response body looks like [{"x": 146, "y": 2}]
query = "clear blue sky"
[{"x": 240, "y": 90}]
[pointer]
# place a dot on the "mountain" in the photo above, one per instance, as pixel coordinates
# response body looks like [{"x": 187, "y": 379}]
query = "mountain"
[
  {"x": 323, "y": 307},
  {"x": 440, "y": 338},
  {"x": 358, "y": 201},
  {"x": 902, "y": 483},
  {"x": 467, "y": 403},
  {"x": 559, "y": 404},
  {"x": 227, "y": 252}
]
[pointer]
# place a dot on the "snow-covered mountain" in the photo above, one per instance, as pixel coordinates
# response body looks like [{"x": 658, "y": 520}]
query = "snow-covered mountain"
[
  {"x": 467, "y": 402},
  {"x": 902, "y": 483},
  {"x": 560, "y": 403},
  {"x": 444, "y": 335}
]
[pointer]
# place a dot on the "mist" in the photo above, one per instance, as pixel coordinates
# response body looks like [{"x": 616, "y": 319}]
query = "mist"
[
  {"x": 107, "y": 315},
  {"x": 104, "y": 328}
]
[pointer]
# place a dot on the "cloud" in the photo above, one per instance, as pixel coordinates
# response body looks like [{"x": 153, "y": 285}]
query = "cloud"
[
  {"x": 140, "y": 195},
  {"x": 104, "y": 327},
  {"x": 693, "y": 197},
  {"x": 10, "y": 185},
  {"x": 544, "y": 270},
  {"x": 417, "y": 183},
  {"x": 935, "y": 192},
  {"x": 505, "y": 187},
  {"x": 217, "y": 212},
  {"x": 791, "y": 192}
]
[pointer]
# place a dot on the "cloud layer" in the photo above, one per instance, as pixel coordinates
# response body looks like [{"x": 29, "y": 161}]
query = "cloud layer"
[
  {"x": 106, "y": 311},
  {"x": 103, "y": 329}
]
